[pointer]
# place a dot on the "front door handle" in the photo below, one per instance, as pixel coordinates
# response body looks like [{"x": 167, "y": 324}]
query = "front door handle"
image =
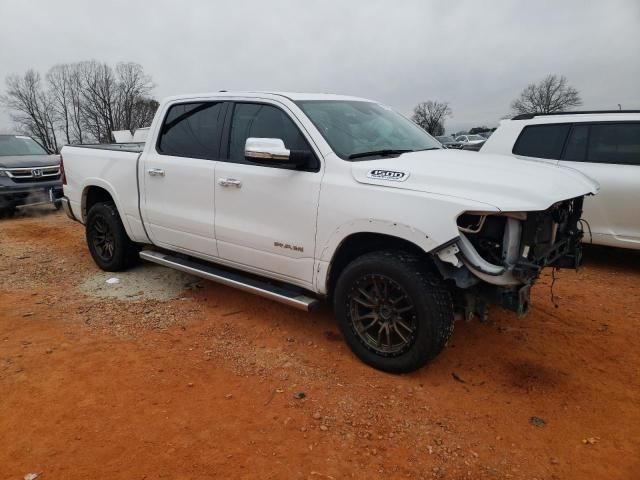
[
  {"x": 229, "y": 182},
  {"x": 156, "y": 172}
]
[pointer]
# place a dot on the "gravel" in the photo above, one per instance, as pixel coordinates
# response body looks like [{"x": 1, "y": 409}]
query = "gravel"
[{"x": 144, "y": 282}]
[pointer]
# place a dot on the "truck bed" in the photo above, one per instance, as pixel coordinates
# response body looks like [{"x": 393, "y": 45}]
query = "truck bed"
[{"x": 109, "y": 167}]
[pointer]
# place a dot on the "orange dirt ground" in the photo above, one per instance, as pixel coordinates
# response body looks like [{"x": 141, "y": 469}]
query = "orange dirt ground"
[{"x": 203, "y": 386}]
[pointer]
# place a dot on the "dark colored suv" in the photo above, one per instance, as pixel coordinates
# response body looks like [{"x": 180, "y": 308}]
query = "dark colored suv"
[{"x": 28, "y": 174}]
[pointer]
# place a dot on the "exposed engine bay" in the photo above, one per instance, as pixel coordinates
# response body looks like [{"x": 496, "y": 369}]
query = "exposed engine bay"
[{"x": 497, "y": 257}]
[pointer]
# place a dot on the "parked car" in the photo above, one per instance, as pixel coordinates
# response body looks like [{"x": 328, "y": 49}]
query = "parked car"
[
  {"x": 473, "y": 146},
  {"x": 29, "y": 174},
  {"x": 301, "y": 197},
  {"x": 448, "y": 142},
  {"x": 470, "y": 139},
  {"x": 604, "y": 145}
]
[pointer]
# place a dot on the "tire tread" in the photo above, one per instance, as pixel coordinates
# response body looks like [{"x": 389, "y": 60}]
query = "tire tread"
[
  {"x": 438, "y": 298},
  {"x": 127, "y": 256}
]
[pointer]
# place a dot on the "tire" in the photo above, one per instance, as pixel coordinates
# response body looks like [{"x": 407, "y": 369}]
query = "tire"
[
  {"x": 110, "y": 247},
  {"x": 393, "y": 293},
  {"x": 57, "y": 204}
]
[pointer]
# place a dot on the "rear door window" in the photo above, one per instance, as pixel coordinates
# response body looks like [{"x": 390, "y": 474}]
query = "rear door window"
[
  {"x": 192, "y": 130},
  {"x": 576, "y": 148},
  {"x": 542, "y": 141},
  {"x": 614, "y": 143}
]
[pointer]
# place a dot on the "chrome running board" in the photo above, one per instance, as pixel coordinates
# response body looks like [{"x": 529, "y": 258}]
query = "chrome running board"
[{"x": 278, "y": 291}]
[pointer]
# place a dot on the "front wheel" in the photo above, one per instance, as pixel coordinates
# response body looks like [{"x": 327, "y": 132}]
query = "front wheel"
[
  {"x": 110, "y": 247},
  {"x": 393, "y": 313}
]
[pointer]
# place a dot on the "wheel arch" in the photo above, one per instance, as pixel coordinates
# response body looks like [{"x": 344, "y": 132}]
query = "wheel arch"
[
  {"x": 91, "y": 195},
  {"x": 357, "y": 244},
  {"x": 96, "y": 191}
]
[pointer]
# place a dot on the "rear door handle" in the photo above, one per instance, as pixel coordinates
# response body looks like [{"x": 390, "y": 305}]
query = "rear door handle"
[
  {"x": 229, "y": 182},
  {"x": 156, "y": 172}
]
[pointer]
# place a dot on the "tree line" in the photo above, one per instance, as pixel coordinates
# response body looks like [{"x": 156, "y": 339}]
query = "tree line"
[
  {"x": 80, "y": 102},
  {"x": 85, "y": 102},
  {"x": 552, "y": 94}
]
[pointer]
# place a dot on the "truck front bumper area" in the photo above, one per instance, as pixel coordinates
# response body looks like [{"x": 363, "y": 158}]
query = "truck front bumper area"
[
  {"x": 15, "y": 194},
  {"x": 497, "y": 258}
]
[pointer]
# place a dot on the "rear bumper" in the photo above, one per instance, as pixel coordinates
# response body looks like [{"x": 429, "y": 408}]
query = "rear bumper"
[{"x": 66, "y": 206}]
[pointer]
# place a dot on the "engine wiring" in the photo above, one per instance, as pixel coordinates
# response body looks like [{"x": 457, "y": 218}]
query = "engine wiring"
[{"x": 581, "y": 221}]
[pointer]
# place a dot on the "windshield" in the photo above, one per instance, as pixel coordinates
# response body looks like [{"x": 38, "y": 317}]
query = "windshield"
[
  {"x": 356, "y": 127},
  {"x": 475, "y": 137},
  {"x": 19, "y": 145},
  {"x": 445, "y": 139}
]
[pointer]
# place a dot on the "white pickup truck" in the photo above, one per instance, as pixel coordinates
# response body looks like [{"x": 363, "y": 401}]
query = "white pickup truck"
[{"x": 304, "y": 197}]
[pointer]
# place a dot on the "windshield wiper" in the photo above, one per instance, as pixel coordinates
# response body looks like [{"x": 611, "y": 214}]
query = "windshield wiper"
[{"x": 382, "y": 153}]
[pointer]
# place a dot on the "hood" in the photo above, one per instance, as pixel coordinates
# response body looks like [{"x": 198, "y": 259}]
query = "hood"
[
  {"x": 21, "y": 161},
  {"x": 504, "y": 182}
]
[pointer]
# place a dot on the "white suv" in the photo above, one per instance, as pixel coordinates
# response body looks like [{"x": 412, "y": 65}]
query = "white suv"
[{"x": 604, "y": 146}]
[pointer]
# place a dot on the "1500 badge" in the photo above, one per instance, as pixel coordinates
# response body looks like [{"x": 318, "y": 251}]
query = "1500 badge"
[
  {"x": 288, "y": 246},
  {"x": 392, "y": 175}
]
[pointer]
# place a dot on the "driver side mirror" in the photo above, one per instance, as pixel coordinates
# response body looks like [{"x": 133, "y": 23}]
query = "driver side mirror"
[
  {"x": 266, "y": 150},
  {"x": 271, "y": 151}
]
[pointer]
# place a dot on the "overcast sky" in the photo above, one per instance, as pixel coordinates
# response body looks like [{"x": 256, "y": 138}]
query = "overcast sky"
[{"x": 476, "y": 55}]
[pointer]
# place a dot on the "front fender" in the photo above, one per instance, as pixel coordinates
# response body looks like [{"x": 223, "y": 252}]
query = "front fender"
[
  {"x": 394, "y": 229},
  {"x": 372, "y": 225}
]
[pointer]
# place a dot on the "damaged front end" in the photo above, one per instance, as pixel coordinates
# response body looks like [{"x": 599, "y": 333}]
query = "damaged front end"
[{"x": 497, "y": 257}]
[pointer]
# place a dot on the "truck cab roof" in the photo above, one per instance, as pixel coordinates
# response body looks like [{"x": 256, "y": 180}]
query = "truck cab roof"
[{"x": 293, "y": 96}]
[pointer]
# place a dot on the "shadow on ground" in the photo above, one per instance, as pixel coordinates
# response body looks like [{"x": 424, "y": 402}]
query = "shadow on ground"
[{"x": 617, "y": 258}]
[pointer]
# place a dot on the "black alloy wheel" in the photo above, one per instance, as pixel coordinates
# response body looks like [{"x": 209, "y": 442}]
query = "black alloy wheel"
[
  {"x": 110, "y": 247},
  {"x": 103, "y": 240},
  {"x": 383, "y": 314},
  {"x": 394, "y": 312}
]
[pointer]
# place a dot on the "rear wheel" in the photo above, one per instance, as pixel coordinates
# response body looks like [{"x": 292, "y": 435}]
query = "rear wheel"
[
  {"x": 110, "y": 247},
  {"x": 395, "y": 315}
]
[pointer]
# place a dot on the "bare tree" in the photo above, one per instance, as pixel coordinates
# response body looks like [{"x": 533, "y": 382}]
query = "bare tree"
[
  {"x": 552, "y": 94},
  {"x": 76, "y": 97},
  {"x": 66, "y": 92},
  {"x": 99, "y": 92},
  {"x": 132, "y": 87},
  {"x": 142, "y": 113},
  {"x": 115, "y": 100},
  {"x": 431, "y": 116},
  {"x": 58, "y": 81},
  {"x": 83, "y": 101},
  {"x": 32, "y": 108}
]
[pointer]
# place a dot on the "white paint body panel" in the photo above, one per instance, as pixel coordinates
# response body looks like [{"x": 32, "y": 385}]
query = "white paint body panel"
[
  {"x": 178, "y": 207},
  {"x": 613, "y": 214},
  {"x": 188, "y": 211},
  {"x": 272, "y": 209}
]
